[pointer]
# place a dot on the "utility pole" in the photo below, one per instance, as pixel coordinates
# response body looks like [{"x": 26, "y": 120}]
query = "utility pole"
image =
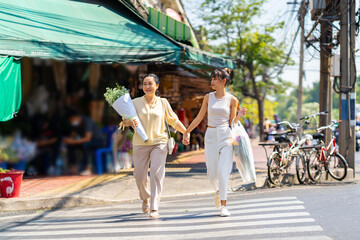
[
  {"x": 302, "y": 13},
  {"x": 347, "y": 97},
  {"x": 325, "y": 90}
]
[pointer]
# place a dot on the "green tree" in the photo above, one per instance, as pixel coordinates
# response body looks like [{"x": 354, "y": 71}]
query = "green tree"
[{"x": 260, "y": 57}]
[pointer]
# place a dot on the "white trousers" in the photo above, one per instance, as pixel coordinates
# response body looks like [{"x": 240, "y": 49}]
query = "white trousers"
[
  {"x": 155, "y": 155},
  {"x": 219, "y": 158}
]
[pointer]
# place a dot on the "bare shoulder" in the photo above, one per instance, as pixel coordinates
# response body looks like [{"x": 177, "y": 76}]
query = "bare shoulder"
[
  {"x": 234, "y": 100},
  {"x": 206, "y": 98}
]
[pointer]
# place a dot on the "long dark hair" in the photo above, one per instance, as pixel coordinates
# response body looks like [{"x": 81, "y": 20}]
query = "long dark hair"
[{"x": 222, "y": 73}]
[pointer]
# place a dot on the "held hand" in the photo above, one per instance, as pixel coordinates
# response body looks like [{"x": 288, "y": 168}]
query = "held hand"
[{"x": 186, "y": 138}]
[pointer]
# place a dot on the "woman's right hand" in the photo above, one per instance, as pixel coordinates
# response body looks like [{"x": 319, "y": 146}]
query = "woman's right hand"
[{"x": 132, "y": 123}]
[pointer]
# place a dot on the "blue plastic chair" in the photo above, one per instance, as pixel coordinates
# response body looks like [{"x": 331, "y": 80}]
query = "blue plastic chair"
[
  {"x": 3, "y": 165},
  {"x": 106, "y": 150}
]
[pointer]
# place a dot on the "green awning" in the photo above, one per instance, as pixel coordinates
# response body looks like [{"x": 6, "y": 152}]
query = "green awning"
[
  {"x": 196, "y": 56},
  {"x": 169, "y": 26},
  {"x": 10, "y": 87},
  {"x": 80, "y": 31}
]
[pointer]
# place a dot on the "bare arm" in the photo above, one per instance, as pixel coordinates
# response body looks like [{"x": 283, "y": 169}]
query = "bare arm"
[
  {"x": 233, "y": 105},
  {"x": 72, "y": 141},
  {"x": 200, "y": 115},
  {"x": 180, "y": 127},
  {"x": 241, "y": 113}
]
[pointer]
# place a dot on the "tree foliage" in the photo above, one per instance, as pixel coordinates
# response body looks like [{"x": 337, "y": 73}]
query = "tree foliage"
[
  {"x": 259, "y": 56},
  {"x": 287, "y": 103}
]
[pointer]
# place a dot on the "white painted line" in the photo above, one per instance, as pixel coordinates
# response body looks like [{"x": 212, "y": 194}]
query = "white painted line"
[
  {"x": 31, "y": 215},
  {"x": 313, "y": 237},
  {"x": 143, "y": 228},
  {"x": 233, "y": 200},
  {"x": 130, "y": 222},
  {"x": 184, "y": 234},
  {"x": 177, "y": 209},
  {"x": 171, "y": 214}
]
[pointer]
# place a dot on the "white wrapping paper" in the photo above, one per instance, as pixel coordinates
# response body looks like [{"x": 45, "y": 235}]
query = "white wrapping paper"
[{"x": 126, "y": 109}]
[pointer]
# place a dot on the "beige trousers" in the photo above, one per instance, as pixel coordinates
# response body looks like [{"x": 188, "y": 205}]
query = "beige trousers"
[{"x": 155, "y": 155}]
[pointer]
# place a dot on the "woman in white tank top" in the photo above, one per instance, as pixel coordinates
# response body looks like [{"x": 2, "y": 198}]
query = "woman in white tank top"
[{"x": 221, "y": 108}]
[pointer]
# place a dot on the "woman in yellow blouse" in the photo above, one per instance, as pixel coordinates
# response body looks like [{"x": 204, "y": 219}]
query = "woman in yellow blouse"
[{"x": 153, "y": 113}]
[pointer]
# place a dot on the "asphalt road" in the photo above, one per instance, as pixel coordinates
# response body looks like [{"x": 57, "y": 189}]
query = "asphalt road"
[{"x": 322, "y": 211}]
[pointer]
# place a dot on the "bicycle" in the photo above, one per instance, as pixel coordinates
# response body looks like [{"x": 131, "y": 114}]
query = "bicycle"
[
  {"x": 284, "y": 153},
  {"x": 301, "y": 162},
  {"x": 326, "y": 158}
]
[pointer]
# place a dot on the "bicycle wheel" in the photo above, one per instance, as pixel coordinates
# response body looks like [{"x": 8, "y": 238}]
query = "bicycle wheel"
[
  {"x": 301, "y": 168},
  {"x": 337, "y": 166},
  {"x": 314, "y": 167},
  {"x": 274, "y": 169}
]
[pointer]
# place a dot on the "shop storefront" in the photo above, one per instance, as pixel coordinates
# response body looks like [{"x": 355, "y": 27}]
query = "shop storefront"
[{"x": 71, "y": 50}]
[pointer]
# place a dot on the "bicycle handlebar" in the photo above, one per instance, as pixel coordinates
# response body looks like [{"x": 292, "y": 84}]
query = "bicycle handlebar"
[
  {"x": 333, "y": 122},
  {"x": 314, "y": 115},
  {"x": 294, "y": 126}
]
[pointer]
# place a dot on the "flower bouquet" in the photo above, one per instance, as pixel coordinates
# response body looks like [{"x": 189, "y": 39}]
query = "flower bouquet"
[{"x": 120, "y": 100}]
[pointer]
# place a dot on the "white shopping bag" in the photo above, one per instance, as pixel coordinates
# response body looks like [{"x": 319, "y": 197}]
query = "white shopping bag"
[{"x": 243, "y": 153}]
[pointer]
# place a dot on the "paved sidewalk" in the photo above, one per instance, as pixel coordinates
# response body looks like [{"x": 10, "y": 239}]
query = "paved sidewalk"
[{"x": 33, "y": 186}]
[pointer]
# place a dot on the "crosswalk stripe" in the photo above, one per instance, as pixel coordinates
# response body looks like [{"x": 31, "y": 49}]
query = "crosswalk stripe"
[
  {"x": 235, "y": 200},
  {"x": 209, "y": 231},
  {"x": 314, "y": 237},
  {"x": 176, "y": 221},
  {"x": 177, "y": 210},
  {"x": 172, "y": 216},
  {"x": 140, "y": 227},
  {"x": 317, "y": 237},
  {"x": 262, "y": 218}
]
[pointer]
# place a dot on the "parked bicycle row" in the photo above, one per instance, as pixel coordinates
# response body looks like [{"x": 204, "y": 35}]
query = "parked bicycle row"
[{"x": 306, "y": 146}]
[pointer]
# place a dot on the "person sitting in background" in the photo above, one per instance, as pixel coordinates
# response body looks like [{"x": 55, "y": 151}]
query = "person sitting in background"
[
  {"x": 84, "y": 136},
  {"x": 47, "y": 137},
  {"x": 267, "y": 125},
  {"x": 279, "y": 127},
  {"x": 272, "y": 130}
]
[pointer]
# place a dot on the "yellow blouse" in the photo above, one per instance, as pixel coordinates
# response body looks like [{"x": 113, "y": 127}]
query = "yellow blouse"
[{"x": 153, "y": 120}]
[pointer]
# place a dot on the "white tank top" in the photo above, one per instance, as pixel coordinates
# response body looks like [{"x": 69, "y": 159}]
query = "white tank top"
[{"x": 219, "y": 110}]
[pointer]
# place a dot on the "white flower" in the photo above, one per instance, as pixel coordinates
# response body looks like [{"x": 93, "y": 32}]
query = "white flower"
[{"x": 112, "y": 94}]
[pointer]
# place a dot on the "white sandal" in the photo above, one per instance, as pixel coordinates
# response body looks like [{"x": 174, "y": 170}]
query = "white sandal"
[{"x": 154, "y": 214}]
